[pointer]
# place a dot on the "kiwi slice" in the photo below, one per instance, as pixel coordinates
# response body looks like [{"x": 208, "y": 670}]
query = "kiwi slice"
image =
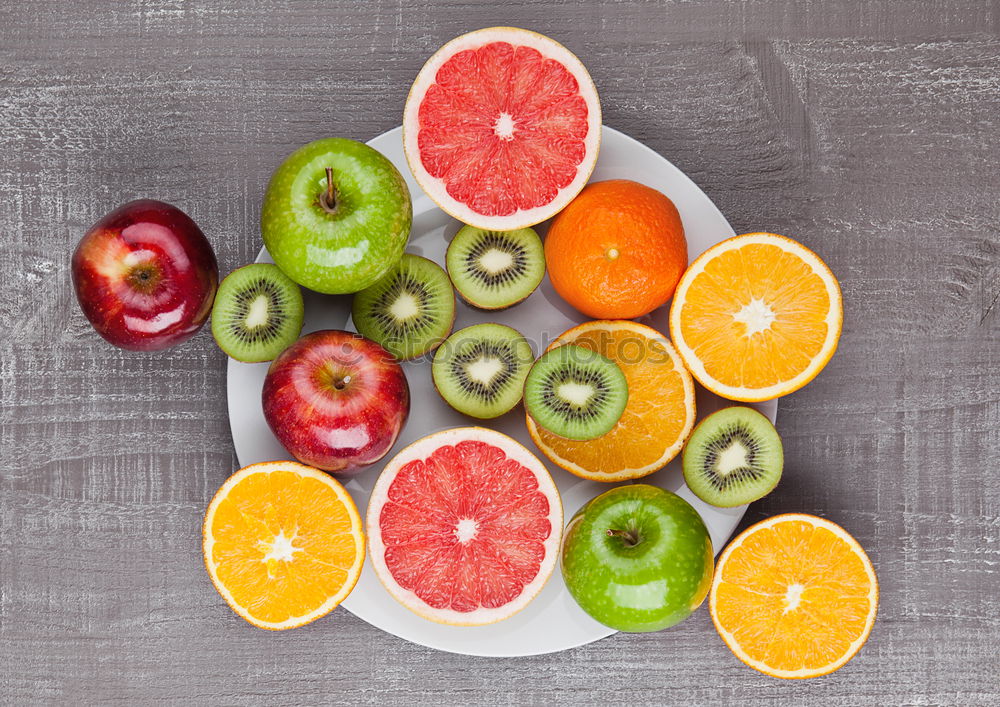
[
  {"x": 257, "y": 313},
  {"x": 575, "y": 392},
  {"x": 495, "y": 269},
  {"x": 410, "y": 310},
  {"x": 480, "y": 370},
  {"x": 734, "y": 456}
]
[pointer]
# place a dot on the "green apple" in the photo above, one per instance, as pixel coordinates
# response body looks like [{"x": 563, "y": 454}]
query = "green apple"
[
  {"x": 336, "y": 216},
  {"x": 637, "y": 558}
]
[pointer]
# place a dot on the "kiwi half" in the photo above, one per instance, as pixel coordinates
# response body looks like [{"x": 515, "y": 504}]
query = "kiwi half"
[
  {"x": 734, "y": 456},
  {"x": 410, "y": 310},
  {"x": 480, "y": 370},
  {"x": 257, "y": 313},
  {"x": 575, "y": 392},
  {"x": 495, "y": 269}
]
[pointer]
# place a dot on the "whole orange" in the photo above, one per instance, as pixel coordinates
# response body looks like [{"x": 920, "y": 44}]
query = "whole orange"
[{"x": 617, "y": 251}]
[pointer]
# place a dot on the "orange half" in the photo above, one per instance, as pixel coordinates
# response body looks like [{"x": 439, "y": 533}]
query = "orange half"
[
  {"x": 283, "y": 544},
  {"x": 756, "y": 317},
  {"x": 659, "y": 415},
  {"x": 794, "y": 596}
]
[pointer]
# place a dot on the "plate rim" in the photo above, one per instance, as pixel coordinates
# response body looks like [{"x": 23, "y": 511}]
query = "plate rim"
[{"x": 263, "y": 256}]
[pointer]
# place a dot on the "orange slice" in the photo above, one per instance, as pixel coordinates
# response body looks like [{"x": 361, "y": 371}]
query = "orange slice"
[
  {"x": 756, "y": 317},
  {"x": 283, "y": 544},
  {"x": 794, "y": 596},
  {"x": 659, "y": 415}
]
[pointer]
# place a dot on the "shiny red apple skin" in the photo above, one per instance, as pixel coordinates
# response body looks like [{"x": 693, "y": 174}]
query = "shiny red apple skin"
[
  {"x": 145, "y": 276},
  {"x": 336, "y": 401}
]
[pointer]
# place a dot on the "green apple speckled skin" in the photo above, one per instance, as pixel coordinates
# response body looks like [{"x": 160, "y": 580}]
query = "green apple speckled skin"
[
  {"x": 637, "y": 558},
  {"x": 348, "y": 247}
]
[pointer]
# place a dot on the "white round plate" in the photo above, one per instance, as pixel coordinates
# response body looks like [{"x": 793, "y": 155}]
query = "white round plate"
[{"x": 553, "y": 621}]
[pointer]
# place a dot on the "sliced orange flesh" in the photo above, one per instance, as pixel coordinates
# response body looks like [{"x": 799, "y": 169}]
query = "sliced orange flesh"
[
  {"x": 659, "y": 415},
  {"x": 283, "y": 544},
  {"x": 794, "y": 596},
  {"x": 756, "y": 317}
]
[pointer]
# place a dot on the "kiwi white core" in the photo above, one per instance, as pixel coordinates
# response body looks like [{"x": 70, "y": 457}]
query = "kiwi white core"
[
  {"x": 257, "y": 313},
  {"x": 484, "y": 369},
  {"x": 405, "y": 307},
  {"x": 732, "y": 458},
  {"x": 757, "y": 315},
  {"x": 576, "y": 393},
  {"x": 495, "y": 261}
]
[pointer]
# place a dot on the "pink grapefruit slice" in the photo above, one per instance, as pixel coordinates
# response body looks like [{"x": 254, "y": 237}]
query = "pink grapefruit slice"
[
  {"x": 464, "y": 526},
  {"x": 502, "y": 128}
]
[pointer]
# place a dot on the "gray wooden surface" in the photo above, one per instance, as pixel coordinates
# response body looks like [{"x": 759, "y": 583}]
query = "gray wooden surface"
[{"x": 870, "y": 131}]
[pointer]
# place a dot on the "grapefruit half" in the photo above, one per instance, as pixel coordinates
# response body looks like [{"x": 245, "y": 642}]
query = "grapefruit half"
[
  {"x": 502, "y": 128},
  {"x": 464, "y": 526}
]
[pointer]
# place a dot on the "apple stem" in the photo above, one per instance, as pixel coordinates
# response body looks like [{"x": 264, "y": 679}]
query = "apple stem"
[
  {"x": 630, "y": 537},
  {"x": 330, "y": 202}
]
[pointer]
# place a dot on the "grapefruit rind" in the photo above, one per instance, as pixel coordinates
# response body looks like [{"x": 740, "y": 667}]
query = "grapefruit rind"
[
  {"x": 627, "y": 473},
  {"x": 353, "y": 573},
  {"x": 433, "y": 186},
  {"x": 855, "y": 646},
  {"x": 834, "y": 319},
  {"x": 421, "y": 449}
]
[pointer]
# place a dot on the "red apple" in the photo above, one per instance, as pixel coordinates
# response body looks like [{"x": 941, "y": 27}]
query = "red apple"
[
  {"x": 336, "y": 400},
  {"x": 145, "y": 276}
]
